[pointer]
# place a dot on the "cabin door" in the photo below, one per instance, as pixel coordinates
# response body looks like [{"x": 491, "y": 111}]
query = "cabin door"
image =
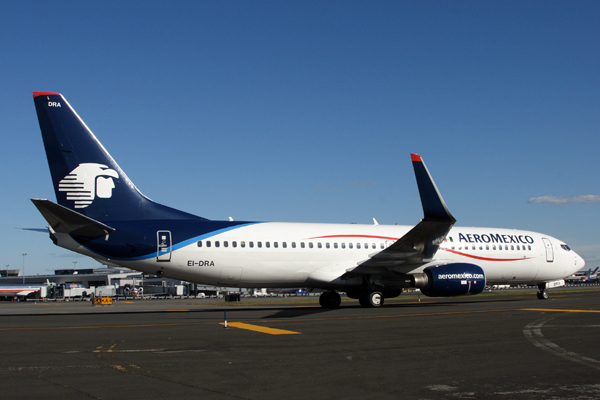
[
  {"x": 549, "y": 251},
  {"x": 163, "y": 247}
]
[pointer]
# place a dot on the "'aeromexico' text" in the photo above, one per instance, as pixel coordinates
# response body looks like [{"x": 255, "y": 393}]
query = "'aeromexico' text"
[
  {"x": 464, "y": 275},
  {"x": 494, "y": 238}
]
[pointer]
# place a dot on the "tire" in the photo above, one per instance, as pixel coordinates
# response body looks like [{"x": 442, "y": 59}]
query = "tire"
[
  {"x": 371, "y": 299},
  {"x": 330, "y": 300}
]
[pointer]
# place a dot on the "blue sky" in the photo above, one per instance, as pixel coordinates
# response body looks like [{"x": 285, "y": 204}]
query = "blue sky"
[{"x": 308, "y": 111}]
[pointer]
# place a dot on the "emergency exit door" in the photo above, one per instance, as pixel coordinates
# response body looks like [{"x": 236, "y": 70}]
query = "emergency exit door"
[{"x": 163, "y": 251}]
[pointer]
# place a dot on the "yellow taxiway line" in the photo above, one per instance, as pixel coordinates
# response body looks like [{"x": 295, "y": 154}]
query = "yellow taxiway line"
[
  {"x": 560, "y": 310},
  {"x": 256, "y": 328}
]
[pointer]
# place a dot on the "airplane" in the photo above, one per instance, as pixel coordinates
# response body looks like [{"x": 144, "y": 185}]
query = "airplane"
[
  {"x": 18, "y": 289},
  {"x": 100, "y": 213},
  {"x": 584, "y": 276}
]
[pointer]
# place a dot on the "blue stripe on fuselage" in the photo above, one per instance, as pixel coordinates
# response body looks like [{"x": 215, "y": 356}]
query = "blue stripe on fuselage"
[{"x": 137, "y": 240}]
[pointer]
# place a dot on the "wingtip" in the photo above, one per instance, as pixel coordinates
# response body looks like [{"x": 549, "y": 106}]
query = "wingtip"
[{"x": 416, "y": 157}]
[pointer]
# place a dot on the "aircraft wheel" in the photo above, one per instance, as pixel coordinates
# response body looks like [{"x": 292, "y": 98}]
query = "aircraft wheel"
[
  {"x": 371, "y": 299},
  {"x": 330, "y": 300},
  {"x": 542, "y": 295}
]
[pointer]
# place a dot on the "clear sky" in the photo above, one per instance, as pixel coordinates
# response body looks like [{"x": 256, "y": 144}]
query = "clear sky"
[{"x": 307, "y": 111}]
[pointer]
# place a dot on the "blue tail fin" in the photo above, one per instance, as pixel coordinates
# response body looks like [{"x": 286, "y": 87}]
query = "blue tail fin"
[{"x": 86, "y": 178}]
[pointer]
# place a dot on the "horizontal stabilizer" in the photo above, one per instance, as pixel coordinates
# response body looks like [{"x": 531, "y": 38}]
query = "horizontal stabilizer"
[{"x": 64, "y": 220}]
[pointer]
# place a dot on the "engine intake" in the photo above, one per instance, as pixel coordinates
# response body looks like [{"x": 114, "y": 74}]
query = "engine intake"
[{"x": 448, "y": 280}]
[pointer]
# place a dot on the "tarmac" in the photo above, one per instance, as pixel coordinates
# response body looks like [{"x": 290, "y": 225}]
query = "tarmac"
[{"x": 499, "y": 345}]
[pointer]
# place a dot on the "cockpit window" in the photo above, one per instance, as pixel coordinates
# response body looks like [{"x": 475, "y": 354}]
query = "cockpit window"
[{"x": 565, "y": 247}]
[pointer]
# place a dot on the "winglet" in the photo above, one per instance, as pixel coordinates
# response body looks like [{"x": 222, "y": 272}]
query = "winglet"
[{"x": 434, "y": 207}]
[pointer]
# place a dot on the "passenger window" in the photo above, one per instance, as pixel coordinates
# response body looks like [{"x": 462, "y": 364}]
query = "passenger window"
[
  {"x": 243, "y": 244},
  {"x": 529, "y": 247},
  {"x": 234, "y": 244},
  {"x": 320, "y": 245},
  {"x": 208, "y": 243},
  {"x": 217, "y": 244},
  {"x": 276, "y": 245},
  {"x": 268, "y": 245},
  {"x": 199, "y": 243},
  {"x": 293, "y": 245},
  {"x": 487, "y": 246},
  {"x": 310, "y": 245},
  {"x": 251, "y": 244},
  {"x": 382, "y": 246},
  {"x": 259, "y": 245},
  {"x": 302, "y": 244},
  {"x": 226, "y": 244},
  {"x": 343, "y": 245}
]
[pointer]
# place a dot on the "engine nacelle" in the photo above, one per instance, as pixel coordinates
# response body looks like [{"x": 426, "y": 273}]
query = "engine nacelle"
[{"x": 455, "y": 279}]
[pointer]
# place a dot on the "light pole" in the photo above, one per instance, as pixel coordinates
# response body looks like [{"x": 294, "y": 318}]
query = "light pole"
[{"x": 24, "y": 254}]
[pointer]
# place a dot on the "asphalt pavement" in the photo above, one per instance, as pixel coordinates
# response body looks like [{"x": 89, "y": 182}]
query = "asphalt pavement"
[{"x": 496, "y": 345}]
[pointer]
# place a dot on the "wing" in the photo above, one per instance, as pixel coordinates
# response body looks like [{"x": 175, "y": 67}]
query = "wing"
[{"x": 420, "y": 244}]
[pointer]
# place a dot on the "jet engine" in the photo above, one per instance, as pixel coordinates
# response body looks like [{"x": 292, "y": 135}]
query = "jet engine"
[{"x": 447, "y": 280}]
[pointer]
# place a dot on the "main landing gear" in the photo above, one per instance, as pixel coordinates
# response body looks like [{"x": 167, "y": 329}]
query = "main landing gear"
[
  {"x": 330, "y": 300},
  {"x": 367, "y": 298},
  {"x": 371, "y": 299}
]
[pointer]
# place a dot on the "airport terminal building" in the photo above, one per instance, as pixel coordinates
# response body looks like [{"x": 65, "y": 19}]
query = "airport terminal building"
[{"x": 67, "y": 283}]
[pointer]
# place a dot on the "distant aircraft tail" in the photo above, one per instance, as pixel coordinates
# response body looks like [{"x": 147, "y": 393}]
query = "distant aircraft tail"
[{"x": 86, "y": 178}]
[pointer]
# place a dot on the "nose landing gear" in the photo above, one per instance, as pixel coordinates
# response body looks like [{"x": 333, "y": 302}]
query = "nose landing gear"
[{"x": 543, "y": 293}]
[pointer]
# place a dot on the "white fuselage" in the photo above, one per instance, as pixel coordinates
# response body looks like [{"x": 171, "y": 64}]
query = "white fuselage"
[{"x": 317, "y": 255}]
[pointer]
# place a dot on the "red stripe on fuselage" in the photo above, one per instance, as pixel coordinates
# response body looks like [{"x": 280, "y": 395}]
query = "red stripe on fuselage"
[
  {"x": 355, "y": 236},
  {"x": 485, "y": 258}
]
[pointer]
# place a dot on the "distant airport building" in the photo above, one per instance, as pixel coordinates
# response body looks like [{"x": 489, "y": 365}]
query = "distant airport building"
[
  {"x": 123, "y": 282},
  {"x": 10, "y": 272}
]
